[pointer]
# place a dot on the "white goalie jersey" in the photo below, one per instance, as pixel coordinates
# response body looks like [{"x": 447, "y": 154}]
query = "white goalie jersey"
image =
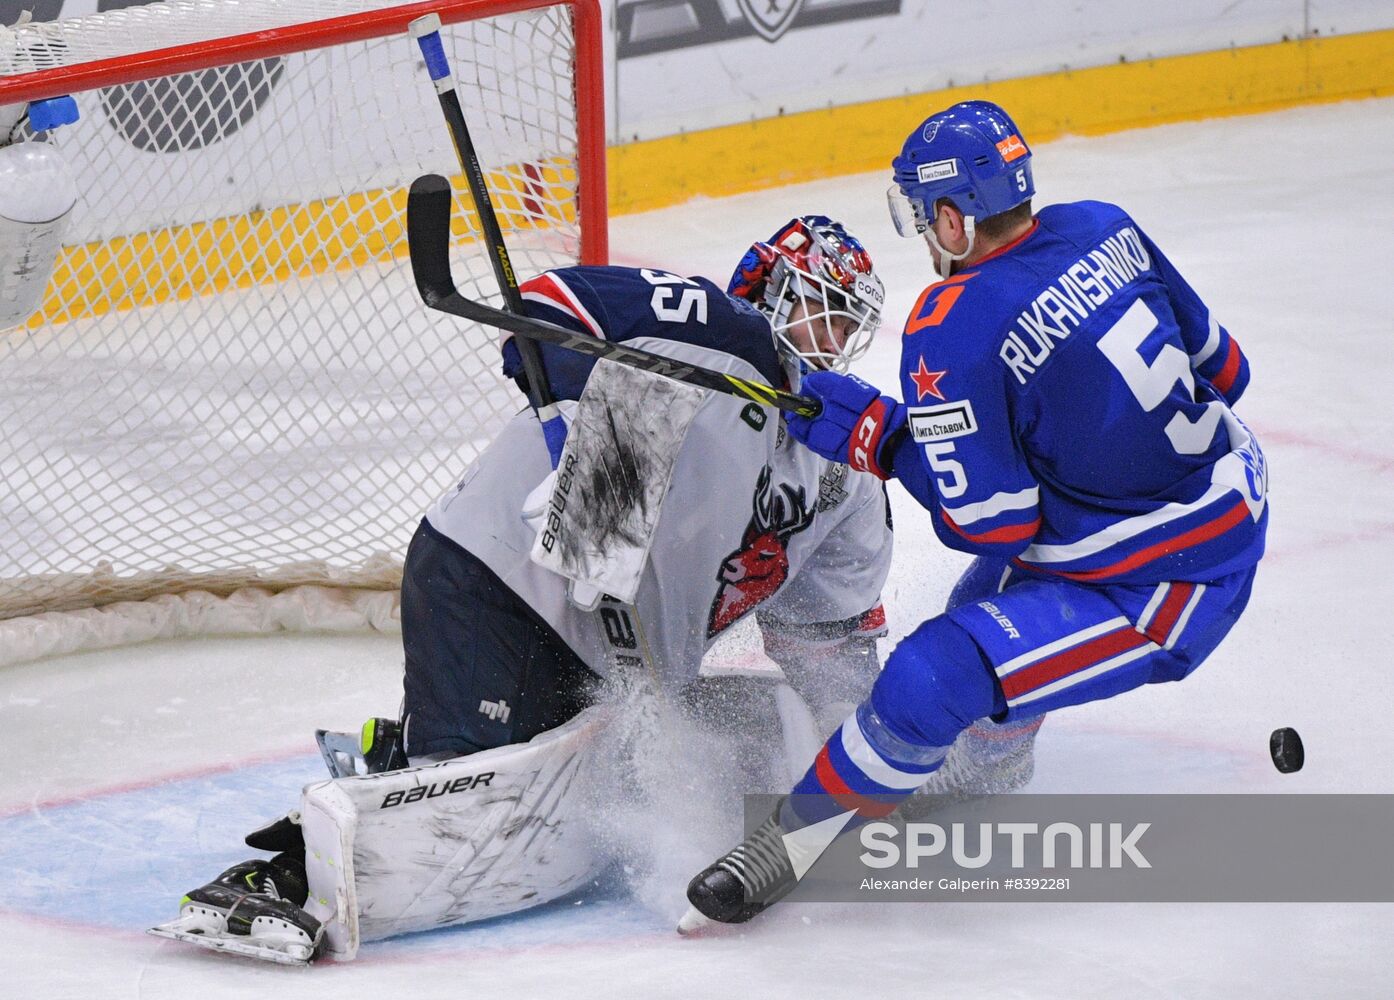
[{"x": 746, "y": 518}]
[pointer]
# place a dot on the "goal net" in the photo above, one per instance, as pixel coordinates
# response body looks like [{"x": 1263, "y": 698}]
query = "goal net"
[{"x": 232, "y": 380}]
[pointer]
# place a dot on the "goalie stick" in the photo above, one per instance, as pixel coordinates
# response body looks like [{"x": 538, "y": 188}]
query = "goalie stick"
[
  {"x": 426, "y": 31},
  {"x": 428, "y": 238}
]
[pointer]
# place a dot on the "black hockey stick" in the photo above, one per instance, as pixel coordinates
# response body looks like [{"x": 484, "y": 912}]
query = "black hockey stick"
[
  {"x": 426, "y": 31},
  {"x": 428, "y": 237}
]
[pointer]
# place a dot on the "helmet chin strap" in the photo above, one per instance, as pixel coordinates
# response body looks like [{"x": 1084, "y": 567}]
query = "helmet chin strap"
[{"x": 943, "y": 260}]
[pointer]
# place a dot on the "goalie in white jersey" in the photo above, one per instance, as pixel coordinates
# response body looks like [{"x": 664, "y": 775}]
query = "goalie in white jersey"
[
  {"x": 696, "y": 504},
  {"x": 691, "y": 510}
]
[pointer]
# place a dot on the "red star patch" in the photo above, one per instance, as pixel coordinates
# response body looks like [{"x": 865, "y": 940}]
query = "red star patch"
[{"x": 926, "y": 382}]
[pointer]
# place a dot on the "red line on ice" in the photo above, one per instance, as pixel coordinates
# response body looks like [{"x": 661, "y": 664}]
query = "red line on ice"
[{"x": 273, "y": 757}]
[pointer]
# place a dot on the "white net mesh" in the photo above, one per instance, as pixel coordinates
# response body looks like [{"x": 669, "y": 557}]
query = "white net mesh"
[
  {"x": 142, "y": 27},
  {"x": 232, "y": 379}
]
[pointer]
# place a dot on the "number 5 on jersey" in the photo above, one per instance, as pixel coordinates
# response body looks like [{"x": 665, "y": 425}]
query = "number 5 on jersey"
[
  {"x": 952, "y": 480},
  {"x": 1151, "y": 384}
]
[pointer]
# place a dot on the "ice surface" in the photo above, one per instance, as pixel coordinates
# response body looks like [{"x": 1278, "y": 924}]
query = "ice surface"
[{"x": 131, "y": 775}]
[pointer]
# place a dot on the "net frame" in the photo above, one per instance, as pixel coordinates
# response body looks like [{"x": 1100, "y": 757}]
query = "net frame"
[{"x": 115, "y": 59}]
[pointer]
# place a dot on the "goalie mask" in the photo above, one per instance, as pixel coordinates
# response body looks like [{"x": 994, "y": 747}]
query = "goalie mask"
[{"x": 815, "y": 282}]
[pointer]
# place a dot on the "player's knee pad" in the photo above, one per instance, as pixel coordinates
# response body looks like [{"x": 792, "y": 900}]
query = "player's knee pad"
[{"x": 935, "y": 684}]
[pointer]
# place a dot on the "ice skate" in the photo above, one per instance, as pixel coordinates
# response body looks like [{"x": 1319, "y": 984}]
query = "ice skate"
[
  {"x": 378, "y": 747},
  {"x": 758, "y": 872},
  {"x": 747, "y": 880},
  {"x": 987, "y": 759},
  {"x": 252, "y": 909}
]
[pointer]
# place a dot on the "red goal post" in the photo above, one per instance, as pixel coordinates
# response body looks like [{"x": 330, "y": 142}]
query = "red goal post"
[{"x": 231, "y": 382}]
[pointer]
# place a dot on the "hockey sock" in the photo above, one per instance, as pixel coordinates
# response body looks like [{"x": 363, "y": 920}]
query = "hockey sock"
[
  {"x": 935, "y": 684},
  {"x": 863, "y": 767}
]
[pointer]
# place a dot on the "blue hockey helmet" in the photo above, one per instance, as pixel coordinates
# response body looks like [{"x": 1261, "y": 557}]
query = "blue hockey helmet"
[{"x": 972, "y": 154}]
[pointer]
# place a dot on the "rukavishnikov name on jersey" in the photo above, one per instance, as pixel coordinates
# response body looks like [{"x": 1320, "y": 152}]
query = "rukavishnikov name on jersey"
[{"x": 1071, "y": 299}]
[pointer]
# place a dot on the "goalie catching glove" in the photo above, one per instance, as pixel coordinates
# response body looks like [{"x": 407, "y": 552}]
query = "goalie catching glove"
[{"x": 857, "y": 425}]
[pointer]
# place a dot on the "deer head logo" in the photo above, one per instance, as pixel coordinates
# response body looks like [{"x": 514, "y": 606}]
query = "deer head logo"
[{"x": 752, "y": 573}]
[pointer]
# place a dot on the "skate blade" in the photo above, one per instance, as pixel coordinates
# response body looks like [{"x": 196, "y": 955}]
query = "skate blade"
[
  {"x": 694, "y": 922},
  {"x": 187, "y": 930}
]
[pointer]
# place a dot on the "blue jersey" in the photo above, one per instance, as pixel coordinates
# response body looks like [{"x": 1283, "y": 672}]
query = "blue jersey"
[
  {"x": 1069, "y": 405},
  {"x": 630, "y": 303}
]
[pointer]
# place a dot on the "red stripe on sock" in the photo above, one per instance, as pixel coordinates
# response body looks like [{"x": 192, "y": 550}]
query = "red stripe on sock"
[{"x": 834, "y": 785}]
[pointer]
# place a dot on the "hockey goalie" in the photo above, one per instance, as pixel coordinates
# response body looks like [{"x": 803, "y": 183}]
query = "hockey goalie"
[{"x": 674, "y": 514}]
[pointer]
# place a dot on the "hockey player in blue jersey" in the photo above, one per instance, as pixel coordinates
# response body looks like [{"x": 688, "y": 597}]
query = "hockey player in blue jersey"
[{"x": 1066, "y": 414}]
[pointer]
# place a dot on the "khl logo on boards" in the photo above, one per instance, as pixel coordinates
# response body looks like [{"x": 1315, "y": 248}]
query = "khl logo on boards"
[{"x": 770, "y": 18}]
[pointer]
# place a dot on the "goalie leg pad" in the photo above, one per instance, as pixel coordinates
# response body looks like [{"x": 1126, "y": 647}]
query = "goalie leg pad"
[{"x": 466, "y": 839}]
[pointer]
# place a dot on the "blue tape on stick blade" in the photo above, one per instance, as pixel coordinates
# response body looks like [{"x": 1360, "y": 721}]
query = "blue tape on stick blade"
[
  {"x": 433, "y": 49},
  {"x": 52, "y": 113}
]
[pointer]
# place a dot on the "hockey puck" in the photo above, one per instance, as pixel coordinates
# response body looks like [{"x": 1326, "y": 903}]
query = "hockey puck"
[{"x": 1285, "y": 747}]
